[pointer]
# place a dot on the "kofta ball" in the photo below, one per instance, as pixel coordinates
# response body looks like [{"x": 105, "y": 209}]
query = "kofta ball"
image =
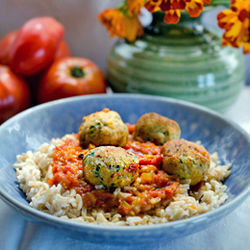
[
  {"x": 110, "y": 166},
  {"x": 103, "y": 128},
  {"x": 156, "y": 128},
  {"x": 186, "y": 159}
]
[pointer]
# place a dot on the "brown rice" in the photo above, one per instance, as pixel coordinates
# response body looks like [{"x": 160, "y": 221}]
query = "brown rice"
[{"x": 33, "y": 170}]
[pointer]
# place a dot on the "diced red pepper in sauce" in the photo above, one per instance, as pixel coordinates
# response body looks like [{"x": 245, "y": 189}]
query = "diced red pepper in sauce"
[
  {"x": 151, "y": 160},
  {"x": 133, "y": 168}
]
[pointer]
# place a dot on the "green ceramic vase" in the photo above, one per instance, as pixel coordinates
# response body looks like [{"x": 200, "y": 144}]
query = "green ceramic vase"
[{"x": 183, "y": 61}]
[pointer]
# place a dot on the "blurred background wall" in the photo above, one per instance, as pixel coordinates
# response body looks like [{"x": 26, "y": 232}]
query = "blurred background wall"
[{"x": 84, "y": 33}]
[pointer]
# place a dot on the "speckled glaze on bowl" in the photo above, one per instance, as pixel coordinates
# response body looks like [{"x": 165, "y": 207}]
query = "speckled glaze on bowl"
[{"x": 31, "y": 128}]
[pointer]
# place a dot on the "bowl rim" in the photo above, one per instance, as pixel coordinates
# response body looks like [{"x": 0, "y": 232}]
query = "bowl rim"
[{"x": 51, "y": 219}]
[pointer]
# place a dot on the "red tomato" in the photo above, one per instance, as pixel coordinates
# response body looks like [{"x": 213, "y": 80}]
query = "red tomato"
[
  {"x": 71, "y": 76},
  {"x": 14, "y": 94},
  {"x": 6, "y": 43},
  {"x": 35, "y": 45},
  {"x": 34, "y": 80},
  {"x": 5, "y": 47}
]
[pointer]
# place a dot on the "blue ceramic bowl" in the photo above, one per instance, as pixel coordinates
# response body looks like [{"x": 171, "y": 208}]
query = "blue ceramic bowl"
[{"x": 29, "y": 129}]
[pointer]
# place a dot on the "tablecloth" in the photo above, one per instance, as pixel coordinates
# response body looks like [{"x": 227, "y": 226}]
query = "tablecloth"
[{"x": 229, "y": 233}]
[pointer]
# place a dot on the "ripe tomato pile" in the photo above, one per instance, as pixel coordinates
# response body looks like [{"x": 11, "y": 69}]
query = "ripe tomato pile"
[{"x": 36, "y": 66}]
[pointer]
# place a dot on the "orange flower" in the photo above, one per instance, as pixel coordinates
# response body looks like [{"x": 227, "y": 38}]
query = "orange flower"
[
  {"x": 113, "y": 20},
  {"x": 135, "y": 6},
  {"x": 172, "y": 8},
  {"x": 120, "y": 24},
  {"x": 236, "y": 23}
]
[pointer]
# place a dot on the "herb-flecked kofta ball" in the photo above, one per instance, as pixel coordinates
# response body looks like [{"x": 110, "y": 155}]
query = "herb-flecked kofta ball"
[
  {"x": 110, "y": 166},
  {"x": 186, "y": 159},
  {"x": 156, "y": 128},
  {"x": 103, "y": 128}
]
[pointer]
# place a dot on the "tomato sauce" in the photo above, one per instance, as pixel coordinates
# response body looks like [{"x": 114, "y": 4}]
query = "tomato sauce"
[
  {"x": 67, "y": 168},
  {"x": 152, "y": 187}
]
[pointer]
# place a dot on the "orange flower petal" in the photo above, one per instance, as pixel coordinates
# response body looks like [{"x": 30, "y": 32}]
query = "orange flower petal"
[
  {"x": 206, "y": 2},
  {"x": 172, "y": 16},
  {"x": 246, "y": 48},
  {"x": 133, "y": 27},
  {"x": 237, "y": 5},
  {"x": 225, "y": 42},
  {"x": 234, "y": 30},
  {"x": 179, "y": 5},
  {"x": 243, "y": 14},
  {"x": 152, "y": 5},
  {"x": 166, "y": 5},
  {"x": 194, "y": 7},
  {"x": 225, "y": 17}
]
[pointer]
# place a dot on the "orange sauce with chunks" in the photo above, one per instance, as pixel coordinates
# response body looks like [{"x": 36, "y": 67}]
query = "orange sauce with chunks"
[
  {"x": 67, "y": 167},
  {"x": 152, "y": 187}
]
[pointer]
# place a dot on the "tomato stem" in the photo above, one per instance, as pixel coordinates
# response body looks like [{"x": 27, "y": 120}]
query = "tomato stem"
[{"x": 77, "y": 72}]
